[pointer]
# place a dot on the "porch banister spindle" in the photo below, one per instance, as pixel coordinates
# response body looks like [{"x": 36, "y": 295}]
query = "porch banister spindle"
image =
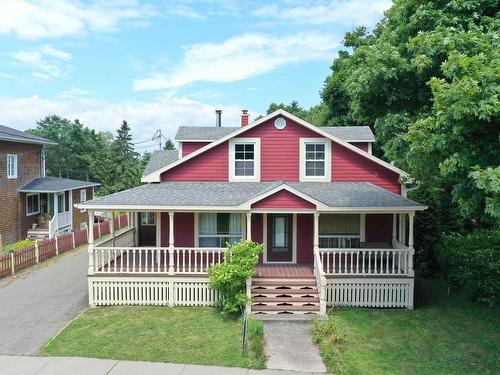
[
  {"x": 91, "y": 242},
  {"x": 171, "y": 269}
]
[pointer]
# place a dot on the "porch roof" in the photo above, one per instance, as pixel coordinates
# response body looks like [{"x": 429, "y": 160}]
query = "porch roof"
[
  {"x": 51, "y": 184},
  {"x": 334, "y": 196}
]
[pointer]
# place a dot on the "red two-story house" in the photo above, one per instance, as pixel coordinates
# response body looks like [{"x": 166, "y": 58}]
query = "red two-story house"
[{"x": 334, "y": 220}]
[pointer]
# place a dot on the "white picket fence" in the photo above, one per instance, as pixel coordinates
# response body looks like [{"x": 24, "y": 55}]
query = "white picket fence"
[
  {"x": 372, "y": 292},
  {"x": 172, "y": 291}
]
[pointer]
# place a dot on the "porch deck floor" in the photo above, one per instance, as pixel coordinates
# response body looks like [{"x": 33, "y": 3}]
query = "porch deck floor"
[{"x": 284, "y": 270}]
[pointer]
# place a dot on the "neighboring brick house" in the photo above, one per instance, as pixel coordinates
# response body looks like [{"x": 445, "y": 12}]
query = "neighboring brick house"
[
  {"x": 334, "y": 220},
  {"x": 32, "y": 204}
]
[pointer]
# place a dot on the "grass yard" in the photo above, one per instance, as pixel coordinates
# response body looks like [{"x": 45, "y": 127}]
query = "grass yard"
[
  {"x": 445, "y": 334},
  {"x": 194, "y": 335}
]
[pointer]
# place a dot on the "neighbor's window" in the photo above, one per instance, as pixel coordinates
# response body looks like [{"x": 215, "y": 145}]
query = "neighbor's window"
[
  {"x": 83, "y": 196},
  {"x": 315, "y": 160},
  {"x": 148, "y": 218},
  {"x": 244, "y": 159},
  {"x": 217, "y": 229},
  {"x": 32, "y": 204},
  {"x": 11, "y": 166}
]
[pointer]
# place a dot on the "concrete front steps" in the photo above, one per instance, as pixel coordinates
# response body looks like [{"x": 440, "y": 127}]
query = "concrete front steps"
[
  {"x": 284, "y": 296},
  {"x": 37, "y": 234}
]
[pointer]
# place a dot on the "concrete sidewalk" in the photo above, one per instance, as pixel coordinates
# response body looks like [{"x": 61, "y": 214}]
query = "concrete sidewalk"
[{"x": 21, "y": 365}]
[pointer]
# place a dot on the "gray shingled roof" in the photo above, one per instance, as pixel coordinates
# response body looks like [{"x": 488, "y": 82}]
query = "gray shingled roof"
[
  {"x": 203, "y": 133},
  {"x": 232, "y": 194},
  {"x": 51, "y": 184},
  {"x": 351, "y": 133},
  {"x": 160, "y": 159},
  {"x": 211, "y": 133},
  {"x": 14, "y": 135}
]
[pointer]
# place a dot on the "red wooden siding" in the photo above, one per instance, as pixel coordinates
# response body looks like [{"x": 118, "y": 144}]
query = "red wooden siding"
[
  {"x": 279, "y": 154},
  {"x": 305, "y": 234},
  {"x": 379, "y": 228},
  {"x": 189, "y": 147},
  {"x": 283, "y": 199},
  {"x": 280, "y": 159},
  {"x": 361, "y": 145},
  {"x": 351, "y": 167},
  {"x": 183, "y": 229},
  {"x": 257, "y": 234},
  {"x": 211, "y": 165}
]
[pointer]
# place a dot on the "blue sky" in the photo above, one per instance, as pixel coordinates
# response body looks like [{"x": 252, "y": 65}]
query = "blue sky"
[{"x": 165, "y": 64}]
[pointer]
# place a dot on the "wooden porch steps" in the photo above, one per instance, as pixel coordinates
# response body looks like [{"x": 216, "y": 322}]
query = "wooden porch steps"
[
  {"x": 275, "y": 295},
  {"x": 37, "y": 234}
]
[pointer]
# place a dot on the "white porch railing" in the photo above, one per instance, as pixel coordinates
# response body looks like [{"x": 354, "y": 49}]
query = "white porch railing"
[
  {"x": 367, "y": 262},
  {"x": 155, "y": 260},
  {"x": 59, "y": 221}
]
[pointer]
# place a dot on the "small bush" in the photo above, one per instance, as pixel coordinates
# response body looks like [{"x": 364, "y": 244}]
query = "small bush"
[
  {"x": 19, "y": 245},
  {"x": 229, "y": 278},
  {"x": 472, "y": 262}
]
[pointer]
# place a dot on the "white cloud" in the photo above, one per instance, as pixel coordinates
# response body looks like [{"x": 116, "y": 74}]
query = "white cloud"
[
  {"x": 166, "y": 112},
  {"x": 239, "y": 58},
  {"x": 46, "y": 62},
  {"x": 58, "y": 18},
  {"x": 350, "y": 12}
]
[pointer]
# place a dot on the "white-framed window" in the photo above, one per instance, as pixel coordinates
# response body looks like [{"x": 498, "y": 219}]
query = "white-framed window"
[
  {"x": 32, "y": 204},
  {"x": 217, "y": 229},
  {"x": 315, "y": 159},
  {"x": 83, "y": 197},
  {"x": 11, "y": 166},
  {"x": 244, "y": 159},
  {"x": 147, "y": 218},
  {"x": 340, "y": 231}
]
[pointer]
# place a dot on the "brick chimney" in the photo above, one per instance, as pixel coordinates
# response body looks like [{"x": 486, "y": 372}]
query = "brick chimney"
[{"x": 245, "y": 117}]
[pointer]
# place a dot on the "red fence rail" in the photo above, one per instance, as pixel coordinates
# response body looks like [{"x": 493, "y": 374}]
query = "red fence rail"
[{"x": 27, "y": 257}]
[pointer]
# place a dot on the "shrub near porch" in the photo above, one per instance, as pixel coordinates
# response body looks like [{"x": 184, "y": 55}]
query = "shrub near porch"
[{"x": 196, "y": 335}]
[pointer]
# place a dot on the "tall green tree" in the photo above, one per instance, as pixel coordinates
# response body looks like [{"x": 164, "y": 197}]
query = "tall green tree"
[{"x": 169, "y": 145}]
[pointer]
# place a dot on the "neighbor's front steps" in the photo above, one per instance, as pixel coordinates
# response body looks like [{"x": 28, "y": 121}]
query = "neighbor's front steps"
[
  {"x": 23, "y": 365},
  {"x": 284, "y": 296}
]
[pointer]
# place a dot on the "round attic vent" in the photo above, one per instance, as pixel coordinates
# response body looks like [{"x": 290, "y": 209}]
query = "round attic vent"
[{"x": 280, "y": 123}]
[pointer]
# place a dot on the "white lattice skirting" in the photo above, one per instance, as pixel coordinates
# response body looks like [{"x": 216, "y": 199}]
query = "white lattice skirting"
[
  {"x": 370, "y": 292},
  {"x": 175, "y": 291},
  {"x": 194, "y": 291}
]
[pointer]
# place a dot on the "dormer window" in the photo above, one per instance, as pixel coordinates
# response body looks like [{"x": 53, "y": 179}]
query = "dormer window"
[
  {"x": 244, "y": 160},
  {"x": 315, "y": 159}
]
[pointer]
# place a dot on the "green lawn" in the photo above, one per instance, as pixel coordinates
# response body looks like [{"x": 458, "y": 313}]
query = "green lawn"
[
  {"x": 183, "y": 335},
  {"x": 445, "y": 334}
]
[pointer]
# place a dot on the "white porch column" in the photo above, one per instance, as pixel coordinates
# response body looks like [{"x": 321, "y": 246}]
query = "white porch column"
[
  {"x": 411, "y": 217},
  {"x": 112, "y": 228},
  {"x": 171, "y": 242},
  {"x": 249, "y": 226},
  {"x": 316, "y": 232},
  {"x": 394, "y": 226},
  {"x": 91, "y": 241}
]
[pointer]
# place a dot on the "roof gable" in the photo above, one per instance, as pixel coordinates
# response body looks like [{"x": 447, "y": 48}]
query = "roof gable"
[{"x": 155, "y": 176}]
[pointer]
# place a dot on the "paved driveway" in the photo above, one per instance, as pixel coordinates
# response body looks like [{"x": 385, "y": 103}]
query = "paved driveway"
[{"x": 38, "y": 303}]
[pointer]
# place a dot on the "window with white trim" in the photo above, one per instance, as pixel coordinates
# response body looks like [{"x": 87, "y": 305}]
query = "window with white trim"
[
  {"x": 244, "y": 159},
  {"x": 83, "y": 198},
  {"x": 11, "y": 166},
  {"x": 315, "y": 159},
  {"x": 218, "y": 229},
  {"x": 339, "y": 231},
  {"x": 32, "y": 204}
]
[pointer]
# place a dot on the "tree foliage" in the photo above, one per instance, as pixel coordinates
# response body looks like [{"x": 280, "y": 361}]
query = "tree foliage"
[{"x": 84, "y": 154}]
